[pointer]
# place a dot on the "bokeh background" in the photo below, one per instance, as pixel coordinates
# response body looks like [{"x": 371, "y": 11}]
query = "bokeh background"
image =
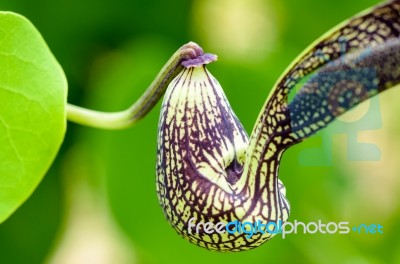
[{"x": 98, "y": 204}]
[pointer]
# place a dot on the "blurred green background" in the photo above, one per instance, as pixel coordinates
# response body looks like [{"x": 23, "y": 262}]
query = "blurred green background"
[{"x": 98, "y": 204}]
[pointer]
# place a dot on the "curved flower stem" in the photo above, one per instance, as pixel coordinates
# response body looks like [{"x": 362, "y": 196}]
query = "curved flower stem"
[{"x": 189, "y": 55}]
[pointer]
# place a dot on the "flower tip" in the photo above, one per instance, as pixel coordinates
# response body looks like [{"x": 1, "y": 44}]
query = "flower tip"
[{"x": 200, "y": 60}]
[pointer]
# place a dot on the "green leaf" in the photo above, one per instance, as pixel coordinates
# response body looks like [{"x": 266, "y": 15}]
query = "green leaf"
[{"x": 33, "y": 92}]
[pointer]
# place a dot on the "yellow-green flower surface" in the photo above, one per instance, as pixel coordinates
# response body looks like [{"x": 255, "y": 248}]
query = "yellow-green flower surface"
[{"x": 210, "y": 170}]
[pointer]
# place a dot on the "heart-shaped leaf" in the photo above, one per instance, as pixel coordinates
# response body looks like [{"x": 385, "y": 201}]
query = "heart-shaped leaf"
[{"x": 33, "y": 92}]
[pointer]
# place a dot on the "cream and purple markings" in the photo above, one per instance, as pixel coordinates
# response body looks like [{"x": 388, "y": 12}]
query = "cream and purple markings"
[{"x": 209, "y": 170}]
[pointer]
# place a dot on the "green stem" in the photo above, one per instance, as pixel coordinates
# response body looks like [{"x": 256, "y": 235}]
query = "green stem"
[{"x": 190, "y": 52}]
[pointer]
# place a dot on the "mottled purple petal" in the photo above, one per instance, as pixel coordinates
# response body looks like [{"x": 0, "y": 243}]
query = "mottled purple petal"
[{"x": 205, "y": 58}]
